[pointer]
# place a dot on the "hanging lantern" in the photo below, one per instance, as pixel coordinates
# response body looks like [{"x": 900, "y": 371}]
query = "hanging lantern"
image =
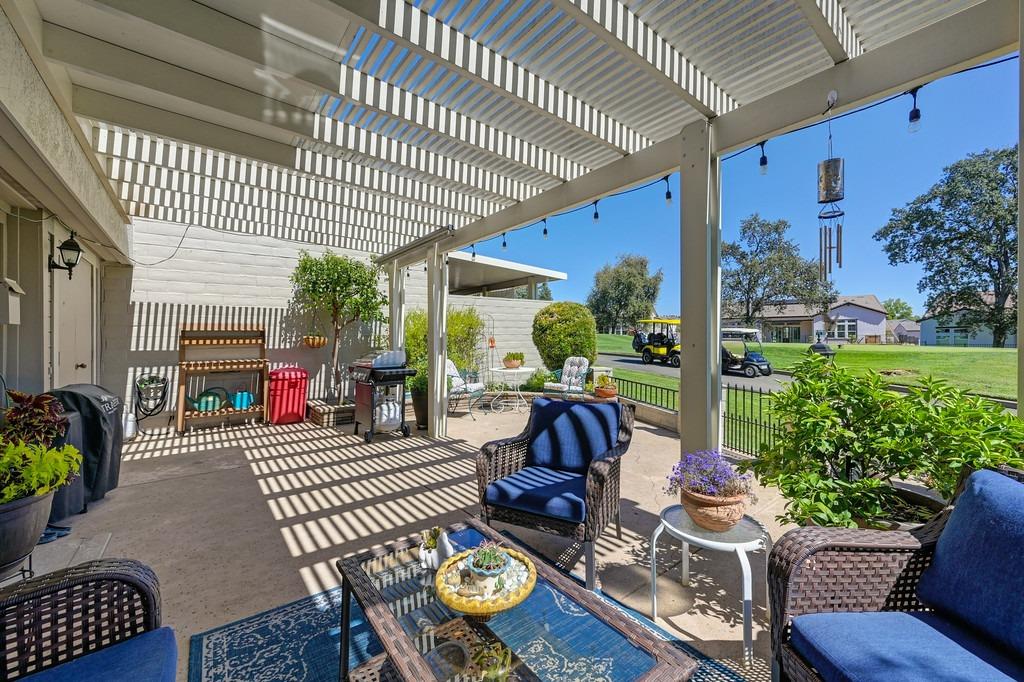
[{"x": 830, "y": 181}]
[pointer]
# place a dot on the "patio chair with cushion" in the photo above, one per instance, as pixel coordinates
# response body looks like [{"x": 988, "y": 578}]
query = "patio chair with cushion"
[
  {"x": 461, "y": 387},
  {"x": 569, "y": 380},
  {"x": 942, "y": 602},
  {"x": 561, "y": 474},
  {"x": 93, "y": 622}
]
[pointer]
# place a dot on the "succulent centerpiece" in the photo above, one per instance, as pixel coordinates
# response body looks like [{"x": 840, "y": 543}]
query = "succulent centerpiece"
[{"x": 486, "y": 579}]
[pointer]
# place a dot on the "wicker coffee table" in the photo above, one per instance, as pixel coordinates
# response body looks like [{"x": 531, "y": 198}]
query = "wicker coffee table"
[{"x": 561, "y": 631}]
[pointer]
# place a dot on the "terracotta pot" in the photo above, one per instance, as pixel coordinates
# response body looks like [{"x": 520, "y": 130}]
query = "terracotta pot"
[
  {"x": 714, "y": 513},
  {"x": 315, "y": 341},
  {"x": 512, "y": 364},
  {"x": 605, "y": 392}
]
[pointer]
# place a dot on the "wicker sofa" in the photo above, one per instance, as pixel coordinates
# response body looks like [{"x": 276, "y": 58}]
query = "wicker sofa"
[
  {"x": 561, "y": 474},
  {"x": 97, "y": 621},
  {"x": 941, "y": 602}
]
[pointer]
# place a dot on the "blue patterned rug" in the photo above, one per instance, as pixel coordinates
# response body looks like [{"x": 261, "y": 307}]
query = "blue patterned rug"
[{"x": 300, "y": 642}]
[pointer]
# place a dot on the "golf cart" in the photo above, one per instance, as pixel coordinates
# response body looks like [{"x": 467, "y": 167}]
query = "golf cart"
[
  {"x": 742, "y": 352},
  {"x": 661, "y": 343}
]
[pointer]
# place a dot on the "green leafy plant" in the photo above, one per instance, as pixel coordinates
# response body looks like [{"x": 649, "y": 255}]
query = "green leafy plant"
[
  {"x": 513, "y": 356},
  {"x": 34, "y": 419},
  {"x": 494, "y": 661},
  {"x": 606, "y": 381},
  {"x": 418, "y": 382},
  {"x": 564, "y": 330},
  {"x": 465, "y": 332},
  {"x": 430, "y": 537},
  {"x": 342, "y": 288},
  {"x": 535, "y": 384},
  {"x": 489, "y": 556},
  {"x": 34, "y": 469}
]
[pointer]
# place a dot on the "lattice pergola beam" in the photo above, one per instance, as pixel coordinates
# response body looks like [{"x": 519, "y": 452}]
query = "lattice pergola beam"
[
  {"x": 623, "y": 31},
  {"x": 833, "y": 28}
]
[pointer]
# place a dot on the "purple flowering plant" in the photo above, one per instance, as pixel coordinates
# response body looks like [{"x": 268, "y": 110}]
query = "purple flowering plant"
[{"x": 707, "y": 472}]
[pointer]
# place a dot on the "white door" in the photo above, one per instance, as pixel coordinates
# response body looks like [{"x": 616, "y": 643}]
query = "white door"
[{"x": 74, "y": 325}]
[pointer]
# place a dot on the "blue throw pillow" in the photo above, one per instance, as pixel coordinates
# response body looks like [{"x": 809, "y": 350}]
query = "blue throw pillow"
[
  {"x": 976, "y": 575},
  {"x": 567, "y": 434}
]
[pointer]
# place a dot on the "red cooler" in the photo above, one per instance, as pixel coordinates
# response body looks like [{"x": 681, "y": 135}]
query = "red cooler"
[{"x": 288, "y": 387}]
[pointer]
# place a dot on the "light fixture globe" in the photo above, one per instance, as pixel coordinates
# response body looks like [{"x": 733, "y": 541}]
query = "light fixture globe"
[{"x": 70, "y": 255}]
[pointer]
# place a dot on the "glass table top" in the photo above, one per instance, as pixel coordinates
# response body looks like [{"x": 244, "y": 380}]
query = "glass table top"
[
  {"x": 747, "y": 531},
  {"x": 548, "y": 637}
]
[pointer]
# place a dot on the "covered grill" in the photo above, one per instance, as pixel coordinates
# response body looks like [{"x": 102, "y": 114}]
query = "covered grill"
[{"x": 380, "y": 392}]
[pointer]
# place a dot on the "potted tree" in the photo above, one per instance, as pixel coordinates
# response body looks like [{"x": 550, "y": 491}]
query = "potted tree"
[
  {"x": 30, "y": 471},
  {"x": 418, "y": 390},
  {"x": 345, "y": 290}
]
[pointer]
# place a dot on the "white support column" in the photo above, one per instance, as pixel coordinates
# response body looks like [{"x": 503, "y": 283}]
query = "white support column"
[
  {"x": 1020, "y": 243},
  {"x": 437, "y": 339},
  {"x": 700, "y": 240},
  {"x": 396, "y": 303}
]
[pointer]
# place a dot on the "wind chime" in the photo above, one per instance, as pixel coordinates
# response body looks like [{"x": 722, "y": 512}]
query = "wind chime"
[{"x": 830, "y": 193}]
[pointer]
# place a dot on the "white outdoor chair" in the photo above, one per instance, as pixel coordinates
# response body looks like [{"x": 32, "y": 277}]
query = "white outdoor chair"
[
  {"x": 571, "y": 379},
  {"x": 460, "y": 387}
]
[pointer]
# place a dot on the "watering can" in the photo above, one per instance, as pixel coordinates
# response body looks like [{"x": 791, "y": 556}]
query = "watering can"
[
  {"x": 209, "y": 400},
  {"x": 242, "y": 400}
]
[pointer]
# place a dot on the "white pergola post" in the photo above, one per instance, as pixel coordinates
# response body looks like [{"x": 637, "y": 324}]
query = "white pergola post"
[
  {"x": 1020, "y": 243},
  {"x": 396, "y": 303},
  {"x": 700, "y": 384},
  {"x": 437, "y": 337}
]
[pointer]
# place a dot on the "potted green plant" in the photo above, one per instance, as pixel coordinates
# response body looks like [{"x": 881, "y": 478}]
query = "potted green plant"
[
  {"x": 30, "y": 471},
  {"x": 494, "y": 661},
  {"x": 434, "y": 548},
  {"x": 314, "y": 338},
  {"x": 606, "y": 387},
  {"x": 487, "y": 566},
  {"x": 711, "y": 491},
  {"x": 346, "y": 290},
  {"x": 417, "y": 385},
  {"x": 513, "y": 360}
]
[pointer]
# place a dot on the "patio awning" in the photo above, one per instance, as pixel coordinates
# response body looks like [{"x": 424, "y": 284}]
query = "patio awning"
[{"x": 474, "y": 275}]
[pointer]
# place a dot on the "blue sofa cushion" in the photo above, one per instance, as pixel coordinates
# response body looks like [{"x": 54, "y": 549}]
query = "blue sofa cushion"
[
  {"x": 889, "y": 645},
  {"x": 149, "y": 657},
  {"x": 976, "y": 575},
  {"x": 539, "y": 490},
  {"x": 567, "y": 434}
]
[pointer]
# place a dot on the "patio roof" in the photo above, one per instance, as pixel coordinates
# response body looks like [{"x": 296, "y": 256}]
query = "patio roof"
[{"x": 468, "y": 274}]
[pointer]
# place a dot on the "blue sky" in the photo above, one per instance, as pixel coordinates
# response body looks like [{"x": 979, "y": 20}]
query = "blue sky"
[{"x": 886, "y": 167}]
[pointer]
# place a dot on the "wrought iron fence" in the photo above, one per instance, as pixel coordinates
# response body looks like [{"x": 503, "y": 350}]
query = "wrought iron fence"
[
  {"x": 659, "y": 396},
  {"x": 747, "y": 424}
]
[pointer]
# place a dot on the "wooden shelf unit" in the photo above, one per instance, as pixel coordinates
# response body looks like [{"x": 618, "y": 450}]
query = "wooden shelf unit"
[{"x": 193, "y": 337}]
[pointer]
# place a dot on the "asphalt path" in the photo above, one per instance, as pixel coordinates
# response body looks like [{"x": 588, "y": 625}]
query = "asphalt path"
[{"x": 770, "y": 383}]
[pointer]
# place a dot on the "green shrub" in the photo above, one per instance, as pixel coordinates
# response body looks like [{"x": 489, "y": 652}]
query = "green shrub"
[
  {"x": 35, "y": 469},
  {"x": 564, "y": 330},
  {"x": 465, "y": 330},
  {"x": 535, "y": 384},
  {"x": 844, "y": 437}
]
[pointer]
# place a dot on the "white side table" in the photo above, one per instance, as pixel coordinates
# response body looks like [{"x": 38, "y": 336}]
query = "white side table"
[
  {"x": 746, "y": 536},
  {"x": 511, "y": 397}
]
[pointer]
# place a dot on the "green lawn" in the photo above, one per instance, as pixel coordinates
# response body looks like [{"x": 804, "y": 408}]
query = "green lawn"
[{"x": 989, "y": 371}]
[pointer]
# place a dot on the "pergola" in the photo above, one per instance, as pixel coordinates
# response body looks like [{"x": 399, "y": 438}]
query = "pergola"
[{"x": 410, "y": 130}]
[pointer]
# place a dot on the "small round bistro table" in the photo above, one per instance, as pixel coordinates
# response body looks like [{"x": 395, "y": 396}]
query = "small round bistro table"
[
  {"x": 746, "y": 536},
  {"x": 510, "y": 397}
]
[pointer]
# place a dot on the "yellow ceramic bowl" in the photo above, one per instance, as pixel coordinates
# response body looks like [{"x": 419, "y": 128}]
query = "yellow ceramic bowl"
[{"x": 484, "y": 607}]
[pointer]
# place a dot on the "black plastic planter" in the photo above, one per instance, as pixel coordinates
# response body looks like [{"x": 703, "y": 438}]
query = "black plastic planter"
[
  {"x": 419, "y": 407},
  {"x": 21, "y": 523}
]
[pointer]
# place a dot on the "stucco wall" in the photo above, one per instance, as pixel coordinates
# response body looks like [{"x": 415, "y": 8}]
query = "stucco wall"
[{"x": 981, "y": 337}]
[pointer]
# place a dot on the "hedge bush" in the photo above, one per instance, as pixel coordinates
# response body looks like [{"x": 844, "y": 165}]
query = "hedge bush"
[
  {"x": 465, "y": 334},
  {"x": 564, "y": 330}
]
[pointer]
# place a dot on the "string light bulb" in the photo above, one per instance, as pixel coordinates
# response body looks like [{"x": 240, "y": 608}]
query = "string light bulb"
[
  {"x": 668, "y": 192},
  {"x": 472, "y": 248},
  {"x": 504, "y": 244},
  {"x": 545, "y": 228},
  {"x": 914, "y": 119},
  {"x": 597, "y": 216},
  {"x": 763, "y": 162}
]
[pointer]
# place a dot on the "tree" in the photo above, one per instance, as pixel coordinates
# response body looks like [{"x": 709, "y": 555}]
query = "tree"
[
  {"x": 764, "y": 270},
  {"x": 543, "y": 292},
  {"x": 343, "y": 288},
  {"x": 624, "y": 293},
  {"x": 897, "y": 309},
  {"x": 963, "y": 232}
]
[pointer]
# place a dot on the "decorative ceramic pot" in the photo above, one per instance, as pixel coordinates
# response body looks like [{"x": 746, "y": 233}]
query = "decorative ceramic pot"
[
  {"x": 431, "y": 559},
  {"x": 487, "y": 578},
  {"x": 605, "y": 391},
  {"x": 512, "y": 364},
  {"x": 315, "y": 341},
  {"x": 714, "y": 513}
]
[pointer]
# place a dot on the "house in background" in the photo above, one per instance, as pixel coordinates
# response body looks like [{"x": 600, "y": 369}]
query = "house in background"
[
  {"x": 952, "y": 330},
  {"x": 856, "y": 319},
  {"x": 903, "y": 331}
]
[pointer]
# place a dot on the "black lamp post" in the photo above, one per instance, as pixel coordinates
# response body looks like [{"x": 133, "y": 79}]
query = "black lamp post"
[{"x": 70, "y": 254}]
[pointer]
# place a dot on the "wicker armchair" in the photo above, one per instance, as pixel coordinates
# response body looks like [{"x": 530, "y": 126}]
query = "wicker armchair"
[
  {"x": 65, "y": 615},
  {"x": 503, "y": 458},
  {"x": 826, "y": 570}
]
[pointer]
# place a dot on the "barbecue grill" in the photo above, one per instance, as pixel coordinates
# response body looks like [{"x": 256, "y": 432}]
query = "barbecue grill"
[{"x": 380, "y": 392}]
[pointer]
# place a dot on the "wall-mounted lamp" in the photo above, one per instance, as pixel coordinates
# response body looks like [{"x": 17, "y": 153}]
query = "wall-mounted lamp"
[{"x": 70, "y": 254}]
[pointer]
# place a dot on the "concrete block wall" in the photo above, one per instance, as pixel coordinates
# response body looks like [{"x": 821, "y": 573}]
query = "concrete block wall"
[{"x": 214, "y": 276}]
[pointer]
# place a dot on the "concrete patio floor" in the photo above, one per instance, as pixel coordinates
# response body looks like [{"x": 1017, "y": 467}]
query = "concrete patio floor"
[{"x": 238, "y": 520}]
